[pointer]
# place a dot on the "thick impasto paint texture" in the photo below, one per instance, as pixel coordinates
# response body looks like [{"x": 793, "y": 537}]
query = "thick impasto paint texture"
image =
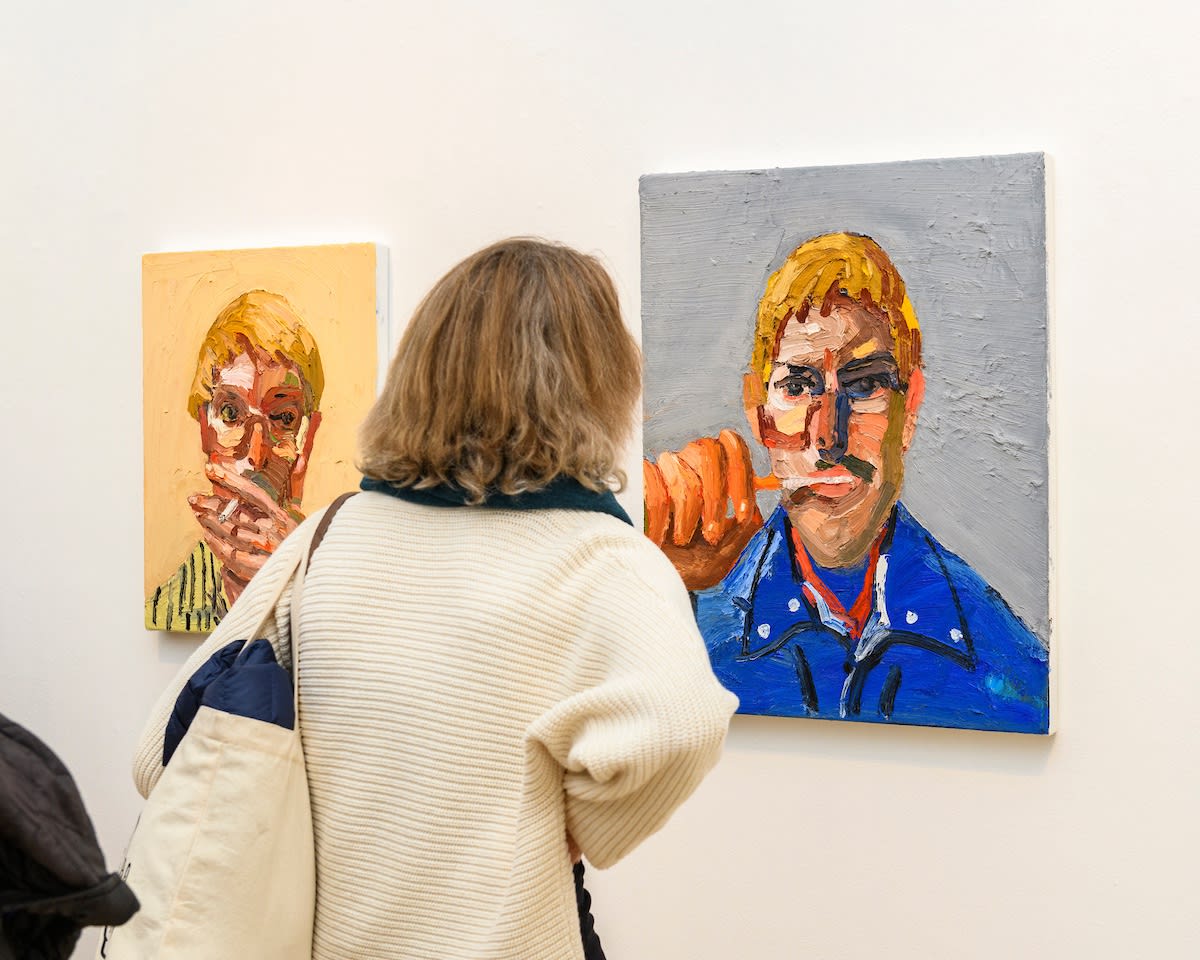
[
  {"x": 847, "y": 434},
  {"x": 258, "y": 367}
]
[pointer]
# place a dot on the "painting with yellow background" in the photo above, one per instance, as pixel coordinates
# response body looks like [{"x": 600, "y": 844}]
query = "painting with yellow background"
[{"x": 258, "y": 366}]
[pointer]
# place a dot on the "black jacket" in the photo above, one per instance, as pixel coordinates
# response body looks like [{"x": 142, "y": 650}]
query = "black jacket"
[{"x": 53, "y": 881}]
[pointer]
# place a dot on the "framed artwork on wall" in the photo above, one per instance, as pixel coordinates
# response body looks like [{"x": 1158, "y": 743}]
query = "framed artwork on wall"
[
  {"x": 847, "y": 434},
  {"x": 258, "y": 366}
]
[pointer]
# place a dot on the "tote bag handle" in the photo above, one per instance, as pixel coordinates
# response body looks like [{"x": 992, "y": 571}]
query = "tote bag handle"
[
  {"x": 298, "y": 593},
  {"x": 298, "y": 570}
]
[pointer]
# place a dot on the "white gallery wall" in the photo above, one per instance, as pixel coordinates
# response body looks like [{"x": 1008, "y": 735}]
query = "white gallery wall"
[{"x": 434, "y": 128}]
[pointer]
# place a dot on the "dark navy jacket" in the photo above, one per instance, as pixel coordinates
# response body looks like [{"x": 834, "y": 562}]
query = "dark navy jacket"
[{"x": 940, "y": 647}]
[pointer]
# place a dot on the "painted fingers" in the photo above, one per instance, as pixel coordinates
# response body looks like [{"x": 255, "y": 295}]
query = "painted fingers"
[
  {"x": 242, "y": 528},
  {"x": 700, "y": 506},
  {"x": 241, "y": 541},
  {"x": 249, "y": 493}
]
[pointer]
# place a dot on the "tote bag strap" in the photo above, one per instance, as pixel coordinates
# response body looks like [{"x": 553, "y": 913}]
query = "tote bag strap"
[
  {"x": 269, "y": 612},
  {"x": 326, "y": 520},
  {"x": 298, "y": 593},
  {"x": 297, "y": 570}
]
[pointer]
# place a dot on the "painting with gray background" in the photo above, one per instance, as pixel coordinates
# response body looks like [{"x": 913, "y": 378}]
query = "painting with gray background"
[{"x": 968, "y": 236}]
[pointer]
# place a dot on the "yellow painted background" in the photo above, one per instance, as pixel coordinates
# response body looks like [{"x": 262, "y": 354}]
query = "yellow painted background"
[{"x": 332, "y": 288}]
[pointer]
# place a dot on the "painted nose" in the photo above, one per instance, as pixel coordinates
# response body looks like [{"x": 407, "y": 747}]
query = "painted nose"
[
  {"x": 257, "y": 454},
  {"x": 833, "y": 427}
]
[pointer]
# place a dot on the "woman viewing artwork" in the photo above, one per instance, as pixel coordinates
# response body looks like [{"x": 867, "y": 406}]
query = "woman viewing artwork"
[{"x": 498, "y": 673}]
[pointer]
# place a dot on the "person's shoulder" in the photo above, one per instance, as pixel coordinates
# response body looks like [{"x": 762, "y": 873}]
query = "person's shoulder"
[
  {"x": 602, "y": 538},
  {"x": 359, "y": 519},
  {"x": 613, "y": 554}
]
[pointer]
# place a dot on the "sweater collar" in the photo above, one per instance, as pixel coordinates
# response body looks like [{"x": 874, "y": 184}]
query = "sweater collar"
[{"x": 562, "y": 493}]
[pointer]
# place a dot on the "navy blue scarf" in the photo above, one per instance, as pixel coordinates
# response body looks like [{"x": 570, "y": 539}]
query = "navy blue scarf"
[{"x": 562, "y": 493}]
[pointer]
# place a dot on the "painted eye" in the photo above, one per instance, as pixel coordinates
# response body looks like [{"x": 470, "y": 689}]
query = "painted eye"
[
  {"x": 795, "y": 387},
  {"x": 286, "y": 418},
  {"x": 228, "y": 414},
  {"x": 869, "y": 386}
]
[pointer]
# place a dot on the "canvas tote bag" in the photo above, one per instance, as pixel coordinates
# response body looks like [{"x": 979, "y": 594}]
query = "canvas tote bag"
[{"x": 222, "y": 856}]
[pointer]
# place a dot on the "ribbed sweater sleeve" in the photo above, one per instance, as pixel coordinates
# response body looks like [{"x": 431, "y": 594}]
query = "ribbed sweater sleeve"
[{"x": 647, "y": 718}]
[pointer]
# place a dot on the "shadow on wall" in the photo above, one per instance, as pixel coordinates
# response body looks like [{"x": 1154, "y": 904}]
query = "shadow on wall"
[{"x": 934, "y": 748}]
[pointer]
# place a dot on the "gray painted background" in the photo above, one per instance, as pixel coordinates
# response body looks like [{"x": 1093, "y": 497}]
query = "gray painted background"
[{"x": 969, "y": 238}]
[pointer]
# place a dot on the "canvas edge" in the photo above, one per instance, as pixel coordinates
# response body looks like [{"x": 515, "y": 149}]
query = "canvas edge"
[
  {"x": 383, "y": 315},
  {"x": 642, "y": 416},
  {"x": 646, "y": 180},
  {"x": 142, "y": 286},
  {"x": 1053, "y": 639}
]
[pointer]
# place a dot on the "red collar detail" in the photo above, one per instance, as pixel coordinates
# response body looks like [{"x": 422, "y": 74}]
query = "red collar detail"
[{"x": 856, "y": 617}]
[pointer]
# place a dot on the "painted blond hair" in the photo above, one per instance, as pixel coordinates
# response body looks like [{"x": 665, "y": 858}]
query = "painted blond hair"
[
  {"x": 260, "y": 322},
  {"x": 821, "y": 270},
  {"x": 515, "y": 369}
]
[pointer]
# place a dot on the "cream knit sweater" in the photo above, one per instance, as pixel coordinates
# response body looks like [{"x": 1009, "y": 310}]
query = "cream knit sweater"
[{"x": 474, "y": 683}]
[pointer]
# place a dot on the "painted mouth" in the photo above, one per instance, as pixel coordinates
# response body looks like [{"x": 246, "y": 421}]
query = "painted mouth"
[
  {"x": 852, "y": 465},
  {"x": 827, "y": 478},
  {"x": 831, "y": 481}
]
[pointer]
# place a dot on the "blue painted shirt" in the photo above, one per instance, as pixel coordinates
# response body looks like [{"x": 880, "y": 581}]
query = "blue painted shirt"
[{"x": 940, "y": 647}]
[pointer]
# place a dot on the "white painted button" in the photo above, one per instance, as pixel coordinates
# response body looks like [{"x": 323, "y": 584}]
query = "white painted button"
[
  {"x": 764, "y": 630},
  {"x": 956, "y": 634},
  {"x": 911, "y": 616},
  {"x": 793, "y": 604}
]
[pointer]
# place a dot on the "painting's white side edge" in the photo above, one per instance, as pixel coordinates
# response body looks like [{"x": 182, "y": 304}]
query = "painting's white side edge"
[
  {"x": 383, "y": 315},
  {"x": 1054, "y": 638}
]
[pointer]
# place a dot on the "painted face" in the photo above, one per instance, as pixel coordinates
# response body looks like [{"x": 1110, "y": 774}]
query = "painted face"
[
  {"x": 837, "y": 420},
  {"x": 256, "y": 424}
]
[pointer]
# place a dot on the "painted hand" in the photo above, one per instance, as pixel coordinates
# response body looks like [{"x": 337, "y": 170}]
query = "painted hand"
[
  {"x": 700, "y": 506},
  {"x": 243, "y": 528}
]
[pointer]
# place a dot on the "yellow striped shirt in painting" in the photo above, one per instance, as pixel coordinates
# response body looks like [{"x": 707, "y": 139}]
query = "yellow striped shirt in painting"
[{"x": 193, "y": 599}]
